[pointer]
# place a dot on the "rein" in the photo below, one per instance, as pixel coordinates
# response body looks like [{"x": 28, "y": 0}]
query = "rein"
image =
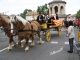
[
  {"x": 8, "y": 30},
  {"x": 27, "y": 30}
]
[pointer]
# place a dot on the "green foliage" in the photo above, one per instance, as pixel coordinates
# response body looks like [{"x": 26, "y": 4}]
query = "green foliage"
[
  {"x": 44, "y": 9},
  {"x": 78, "y": 14},
  {"x": 24, "y": 13}
]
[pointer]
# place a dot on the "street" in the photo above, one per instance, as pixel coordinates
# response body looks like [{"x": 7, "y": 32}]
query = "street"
[{"x": 55, "y": 49}]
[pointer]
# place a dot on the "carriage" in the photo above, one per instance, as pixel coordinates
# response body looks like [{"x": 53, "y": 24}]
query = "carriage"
[
  {"x": 25, "y": 30},
  {"x": 54, "y": 24}
]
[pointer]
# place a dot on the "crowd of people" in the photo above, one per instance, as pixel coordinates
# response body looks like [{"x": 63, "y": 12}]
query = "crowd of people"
[
  {"x": 76, "y": 22},
  {"x": 43, "y": 17}
]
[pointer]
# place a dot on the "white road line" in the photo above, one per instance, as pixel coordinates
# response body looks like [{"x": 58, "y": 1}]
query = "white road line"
[
  {"x": 42, "y": 41},
  {"x": 12, "y": 45},
  {"x": 54, "y": 42},
  {"x": 66, "y": 42},
  {"x": 3, "y": 49}
]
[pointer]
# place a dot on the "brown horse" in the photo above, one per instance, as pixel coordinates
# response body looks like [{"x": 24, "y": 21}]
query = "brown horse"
[
  {"x": 25, "y": 30},
  {"x": 4, "y": 22},
  {"x": 36, "y": 29}
]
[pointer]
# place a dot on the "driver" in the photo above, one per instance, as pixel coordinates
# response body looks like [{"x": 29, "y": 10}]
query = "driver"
[{"x": 40, "y": 18}]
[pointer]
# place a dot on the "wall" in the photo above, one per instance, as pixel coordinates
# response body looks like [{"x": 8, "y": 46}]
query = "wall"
[{"x": 30, "y": 18}]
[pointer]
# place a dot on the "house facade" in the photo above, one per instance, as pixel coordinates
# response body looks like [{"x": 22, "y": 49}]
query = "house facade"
[{"x": 31, "y": 15}]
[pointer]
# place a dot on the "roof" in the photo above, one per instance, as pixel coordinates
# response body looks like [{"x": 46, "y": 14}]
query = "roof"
[
  {"x": 56, "y": 2},
  {"x": 31, "y": 13}
]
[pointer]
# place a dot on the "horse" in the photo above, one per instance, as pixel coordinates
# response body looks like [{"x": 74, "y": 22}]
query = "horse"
[
  {"x": 25, "y": 30},
  {"x": 36, "y": 29},
  {"x": 4, "y": 22}
]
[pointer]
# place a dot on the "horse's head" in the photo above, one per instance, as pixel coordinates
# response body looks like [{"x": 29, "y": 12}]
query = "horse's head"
[
  {"x": 4, "y": 20},
  {"x": 13, "y": 19},
  {"x": 16, "y": 24}
]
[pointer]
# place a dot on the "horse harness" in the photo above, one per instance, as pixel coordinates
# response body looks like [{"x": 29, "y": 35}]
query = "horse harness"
[{"x": 21, "y": 30}]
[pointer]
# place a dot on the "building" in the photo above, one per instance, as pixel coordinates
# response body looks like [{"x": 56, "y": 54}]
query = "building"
[
  {"x": 59, "y": 7},
  {"x": 31, "y": 15}
]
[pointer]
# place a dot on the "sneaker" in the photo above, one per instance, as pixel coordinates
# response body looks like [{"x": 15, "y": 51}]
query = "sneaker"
[{"x": 70, "y": 51}]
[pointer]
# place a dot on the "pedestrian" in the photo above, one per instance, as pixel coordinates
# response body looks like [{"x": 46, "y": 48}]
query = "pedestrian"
[
  {"x": 57, "y": 18},
  {"x": 71, "y": 36}
]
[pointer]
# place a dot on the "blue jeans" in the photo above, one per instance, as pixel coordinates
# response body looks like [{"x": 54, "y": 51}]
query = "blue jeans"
[{"x": 71, "y": 44}]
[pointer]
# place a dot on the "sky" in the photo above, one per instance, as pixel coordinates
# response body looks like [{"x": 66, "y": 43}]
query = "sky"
[{"x": 18, "y": 6}]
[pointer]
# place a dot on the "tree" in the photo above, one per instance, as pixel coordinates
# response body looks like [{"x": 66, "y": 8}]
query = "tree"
[
  {"x": 44, "y": 9},
  {"x": 24, "y": 13},
  {"x": 78, "y": 14}
]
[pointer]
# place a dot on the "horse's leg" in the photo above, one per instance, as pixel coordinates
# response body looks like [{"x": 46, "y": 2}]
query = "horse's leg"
[
  {"x": 14, "y": 43},
  {"x": 10, "y": 41},
  {"x": 27, "y": 47},
  {"x": 19, "y": 42},
  {"x": 10, "y": 46},
  {"x": 39, "y": 35},
  {"x": 33, "y": 36}
]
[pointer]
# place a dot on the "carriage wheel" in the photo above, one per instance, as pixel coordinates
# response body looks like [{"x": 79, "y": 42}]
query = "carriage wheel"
[
  {"x": 48, "y": 35},
  {"x": 59, "y": 31}
]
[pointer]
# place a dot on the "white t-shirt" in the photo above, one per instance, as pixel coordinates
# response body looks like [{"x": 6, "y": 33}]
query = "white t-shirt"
[{"x": 71, "y": 32}]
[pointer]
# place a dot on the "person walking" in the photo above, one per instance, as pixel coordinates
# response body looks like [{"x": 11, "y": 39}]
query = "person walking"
[{"x": 71, "y": 36}]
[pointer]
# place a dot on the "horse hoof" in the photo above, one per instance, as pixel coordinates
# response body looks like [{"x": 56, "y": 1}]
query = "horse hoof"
[
  {"x": 26, "y": 50},
  {"x": 9, "y": 49},
  {"x": 31, "y": 46},
  {"x": 15, "y": 45},
  {"x": 39, "y": 43}
]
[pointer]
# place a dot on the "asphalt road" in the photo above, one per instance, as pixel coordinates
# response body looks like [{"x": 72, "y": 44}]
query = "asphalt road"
[{"x": 55, "y": 49}]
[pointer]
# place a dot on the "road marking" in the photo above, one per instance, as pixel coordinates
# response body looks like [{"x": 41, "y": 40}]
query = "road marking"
[
  {"x": 66, "y": 42},
  {"x": 42, "y": 41},
  {"x": 54, "y": 42},
  {"x": 13, "y": 45},
  {"x": 3, "y": 49},
  {"x": 54, "y": 52}
]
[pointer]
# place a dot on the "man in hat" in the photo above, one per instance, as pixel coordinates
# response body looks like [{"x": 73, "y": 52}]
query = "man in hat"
[{"x": 40, "y": 18}]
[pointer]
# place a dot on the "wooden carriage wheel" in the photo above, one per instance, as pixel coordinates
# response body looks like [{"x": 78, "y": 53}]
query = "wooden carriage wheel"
[
  {"x": 59, "y": 31},
  {"x": 48, "y": 35}
]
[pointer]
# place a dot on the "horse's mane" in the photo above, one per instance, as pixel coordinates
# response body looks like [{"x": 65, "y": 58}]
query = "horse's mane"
[
  {"x": 5, "y": 19},
  {"x": 22, "y": 20}
]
